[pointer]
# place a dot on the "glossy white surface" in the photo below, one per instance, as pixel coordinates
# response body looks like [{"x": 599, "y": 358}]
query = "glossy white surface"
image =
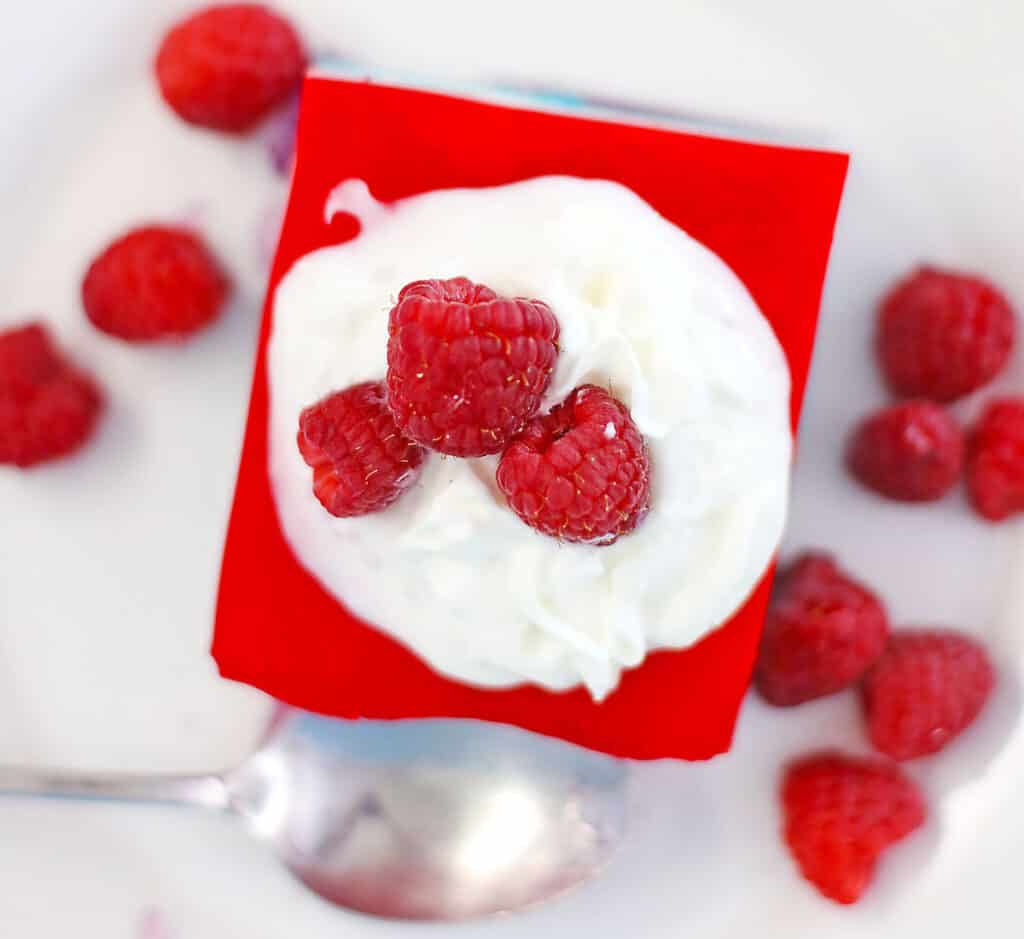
[{"x": 107, "y": 565}]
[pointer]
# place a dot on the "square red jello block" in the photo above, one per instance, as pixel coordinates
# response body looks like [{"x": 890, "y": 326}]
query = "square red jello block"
[{"x": 768, "y": 211}]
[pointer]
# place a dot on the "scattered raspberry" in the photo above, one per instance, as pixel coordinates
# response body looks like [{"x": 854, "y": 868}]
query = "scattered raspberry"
[
  {"x": 822, "y": 632},
  {"x": 48, "y": 408},
  {"x": 154, "y": 282},
  {"x": 926, "y": 688},
  {"x": 228, "y": 66},
  {"x": 942, "y": 335},
  {"x": 467, "y": 368},
  {"x": 995, "y": 462},
  {"x": 580, "y": 473},
  {"x": 913, "y": 452},
  {"x": 361, "y": 462},
  {"x": 841, "y": 814}
]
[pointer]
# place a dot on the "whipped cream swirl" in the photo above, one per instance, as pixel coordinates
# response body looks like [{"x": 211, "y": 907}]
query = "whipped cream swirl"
[{"x": 646, "y": 311}]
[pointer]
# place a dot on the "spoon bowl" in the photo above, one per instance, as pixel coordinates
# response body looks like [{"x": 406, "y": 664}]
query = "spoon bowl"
[{"x": 419, "y": 820}]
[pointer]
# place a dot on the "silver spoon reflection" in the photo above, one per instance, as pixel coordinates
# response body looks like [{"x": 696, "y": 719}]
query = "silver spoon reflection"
[{"x": 429, "y": 820}]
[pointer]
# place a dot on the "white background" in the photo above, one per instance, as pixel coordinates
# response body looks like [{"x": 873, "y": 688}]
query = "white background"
[{"x": 108, "y": 564}]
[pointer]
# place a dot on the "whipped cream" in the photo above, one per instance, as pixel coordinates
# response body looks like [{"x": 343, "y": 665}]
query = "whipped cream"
[{"x": 646, "y": 311}]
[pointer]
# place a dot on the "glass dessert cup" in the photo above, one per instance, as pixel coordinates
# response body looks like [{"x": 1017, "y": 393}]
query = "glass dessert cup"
[{"x": 460, "y": 818}]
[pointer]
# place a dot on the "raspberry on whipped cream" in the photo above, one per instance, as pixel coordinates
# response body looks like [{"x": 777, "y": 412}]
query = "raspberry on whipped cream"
[
  {"x": 466, "y": 367},
  {"x": 361, "y": 462},
  {"x": 580, "y": 472},
  {"x": 642, "y": 310}
]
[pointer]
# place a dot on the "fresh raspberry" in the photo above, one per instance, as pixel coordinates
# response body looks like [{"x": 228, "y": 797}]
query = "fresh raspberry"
[
  {"x": 841, "y": 814},
  {"x": 467, "y": 368},
  {"x": 154, "y": 282},
  {"x": 912, "y": 452},
  {"x": 361, "y": 461},
  {"x": 995, "y": 460},
  {"x": 48, "y": 408},
  {"x": 823, "y": 630},
  {"x": 927, "y": 687},
  {"x": 942, "y": 334},
  {"x": 581, "y": 472},
  {"x": 228, "y": 66}
]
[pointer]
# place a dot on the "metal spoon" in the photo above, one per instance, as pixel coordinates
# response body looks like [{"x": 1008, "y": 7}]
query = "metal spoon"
[{"x": 426, "y": 820}]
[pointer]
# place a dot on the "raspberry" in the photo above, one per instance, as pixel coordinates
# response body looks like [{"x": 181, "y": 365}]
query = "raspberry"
[
  {"x": 822, "y": 632},
  {"x": 995, "y": 461},
  {"x": 228, "y": 66},
  {"x": 581, "y": 472},
  {"x": 154, "y": 282},
  {"x": 48, "y": 408},
  {"x": 927, "y": 687},
  {"x": 361, "y": 462},
  {"x": 841, "y": 814},
  {"x": 942, "y": 334},
  {"x": 467, "y": 368},
  {"x": 912, "y": 452}
]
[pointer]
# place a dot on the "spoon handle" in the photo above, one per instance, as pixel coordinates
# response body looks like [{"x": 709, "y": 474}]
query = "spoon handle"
[{"x": 207, "y": 791}]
